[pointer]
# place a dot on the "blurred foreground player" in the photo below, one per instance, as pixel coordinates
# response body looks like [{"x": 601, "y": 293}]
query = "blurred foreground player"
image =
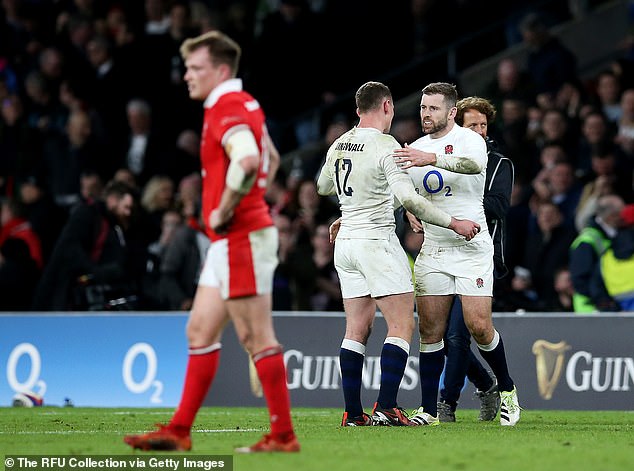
[{"x": 238, "y": 162}]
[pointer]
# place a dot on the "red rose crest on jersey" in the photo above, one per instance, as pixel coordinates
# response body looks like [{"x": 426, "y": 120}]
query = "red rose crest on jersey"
[
  {"x": 448, "y": 149},
  {"x": 479, "y": 282}
]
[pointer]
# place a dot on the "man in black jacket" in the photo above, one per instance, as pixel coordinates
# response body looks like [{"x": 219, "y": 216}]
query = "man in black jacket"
[
  {"x": 91, "y": 249},
  {"x": 476, "y": 114}
]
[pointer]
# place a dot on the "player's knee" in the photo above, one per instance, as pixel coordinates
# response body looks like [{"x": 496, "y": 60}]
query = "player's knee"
[
  {"x": 482, "y": 335},
  {"x": 359, "y": 332},
  {"x": 198, "y": 333}
]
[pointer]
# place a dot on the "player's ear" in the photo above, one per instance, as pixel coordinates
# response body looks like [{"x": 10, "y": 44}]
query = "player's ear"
[
  {"x": 453, "y": 112},
  {"x": 386, "y": 106}
]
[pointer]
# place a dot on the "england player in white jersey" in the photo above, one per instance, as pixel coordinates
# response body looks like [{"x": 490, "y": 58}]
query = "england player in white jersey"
[
  {"x": 448, "y": 167},
  {"x": 370, "y": 261}
]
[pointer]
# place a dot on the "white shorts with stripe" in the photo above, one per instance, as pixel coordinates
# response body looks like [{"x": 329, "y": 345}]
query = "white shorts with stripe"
[
  {"x": 378, "y": 267},
  {"x": 242, "y": 264},
  {"x": 465, "y": 269}
]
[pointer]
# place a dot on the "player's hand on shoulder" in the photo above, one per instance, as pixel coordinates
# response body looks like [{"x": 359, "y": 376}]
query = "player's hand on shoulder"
[
  {"x": 464, "y": 227},
  {"x": 408, "y": 157}
]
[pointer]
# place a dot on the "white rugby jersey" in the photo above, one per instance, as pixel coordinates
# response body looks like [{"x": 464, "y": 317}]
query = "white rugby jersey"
[
  {"x": 360, "y": 170},
  {"x": 458, "y": 194}
]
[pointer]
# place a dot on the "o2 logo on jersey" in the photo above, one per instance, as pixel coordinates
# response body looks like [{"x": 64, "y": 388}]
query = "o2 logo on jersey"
[
  {"x": 433, "y": 183},
  {"x": 149, "y": 380},
  {"x": 346, "y": 166}
]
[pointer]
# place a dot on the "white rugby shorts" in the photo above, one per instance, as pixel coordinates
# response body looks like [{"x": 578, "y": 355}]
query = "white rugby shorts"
[
  {"x": 465, "y": 269},
  {"x": 378, "y": 267},
  {"x": 242, "y": 264}
]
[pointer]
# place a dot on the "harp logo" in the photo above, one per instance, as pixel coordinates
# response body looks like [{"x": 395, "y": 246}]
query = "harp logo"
[{"x": 549, "y": 363}]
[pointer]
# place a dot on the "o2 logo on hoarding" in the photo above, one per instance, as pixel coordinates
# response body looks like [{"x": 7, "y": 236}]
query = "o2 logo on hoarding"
[
  {"x": 149, "y": 380},
  {"x": 33, "y": 381}
]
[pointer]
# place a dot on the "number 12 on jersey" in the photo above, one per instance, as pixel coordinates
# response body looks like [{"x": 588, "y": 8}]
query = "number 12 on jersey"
[{"x": 345, "y": 167}]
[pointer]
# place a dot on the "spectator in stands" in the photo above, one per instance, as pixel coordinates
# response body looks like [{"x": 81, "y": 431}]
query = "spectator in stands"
[
  {"x": 406, "y": 129},
  {"x": 156, "y": 198},
  {"x": 585, "y": 253},
  {"x": 157, "y": 20},
  {"x": 74, "y": 97},
  {"x": 18, "y": 275},
  {"x": 180, "y": 267},
  {"x": 550, "y": 63},
  {"x": 143, "y": 150},
  {"x": 308, "y": 159},
  {"x": 75, "y": 30},
  {"x": 14, "y": 225},
  {"x": 514, "y": 138},
  {"x": 19, "y": 145},
  {"x": 186, "y": 157},
  {"x": 517, "y": 220},
  {"x": 521, "y": 295},
  {"x": 610, "y": 175},
  {"x": 546, "y": 251},
  {"x": 607, "y": 96},
  {"x": 510, "y": 82},
  {"x": 126, "y": 176},
  {"x": 51, "y": 65},
  {"x": 110, "y": 89},
  {"x": 188, "y": 199},
  {"x": 73, "y": 153},
  {"x": 559, "y": 185},
  {"x": 617, "y": 264},
  {"x": 595, "y": 133},
  {"x": 625, "y": 126},
  {"x": 91, "y": 250},
  {"x": 565, "y": 291},
  {"x": 44, "y": 112},
  {"x": 307, "y": 210},
  {"x": 316, "y": 283},
  {"x": 277, "y": 195},
  {"x": 556, "y": 129},
  {"x": 90, "y": 186},
  {"x": 152, "y": 296},
  {"x": 570, "y": 99},
  {"x": 549, "y": 155},
  {"x": 283, "y": 291},
  {"x": 45, "y": 217}
]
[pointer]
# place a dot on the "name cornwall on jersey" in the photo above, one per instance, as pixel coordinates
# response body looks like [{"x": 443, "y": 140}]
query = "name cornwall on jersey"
[{"x": 350, "y": 147}]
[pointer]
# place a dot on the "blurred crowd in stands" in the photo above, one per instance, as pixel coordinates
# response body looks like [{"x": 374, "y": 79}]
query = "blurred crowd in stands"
[{"x": 99, "y": 144}]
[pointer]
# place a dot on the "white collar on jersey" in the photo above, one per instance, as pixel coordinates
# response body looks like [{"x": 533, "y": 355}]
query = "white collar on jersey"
[{"x": 228, "y": 86}]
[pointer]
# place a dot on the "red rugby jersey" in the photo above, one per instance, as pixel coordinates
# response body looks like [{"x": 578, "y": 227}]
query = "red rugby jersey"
[{"x": 227, "y": 109}]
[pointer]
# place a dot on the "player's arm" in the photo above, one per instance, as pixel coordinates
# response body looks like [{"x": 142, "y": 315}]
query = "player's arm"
[
  {"x": 244, "y": 155},
  {"x": 403, "y": 189},
  {"x": 274, "y": 160},
  {"x": 325, "y": 182},
  {"x": 472, "y": 161}
]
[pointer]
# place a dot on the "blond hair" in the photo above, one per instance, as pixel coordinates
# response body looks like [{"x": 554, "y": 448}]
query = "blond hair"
[{"x": 221, "y": 48}]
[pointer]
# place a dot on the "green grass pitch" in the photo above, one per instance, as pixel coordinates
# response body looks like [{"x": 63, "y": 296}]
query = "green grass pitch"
[{"x": 542, "y": 441}]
